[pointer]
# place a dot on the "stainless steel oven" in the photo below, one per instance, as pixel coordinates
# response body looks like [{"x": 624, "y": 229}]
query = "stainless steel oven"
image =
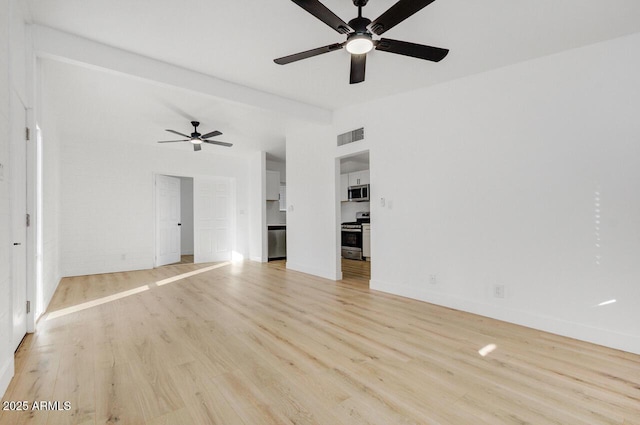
[
  {"x": 352, "y": 241},
  {"x": 352, "y": 236}
]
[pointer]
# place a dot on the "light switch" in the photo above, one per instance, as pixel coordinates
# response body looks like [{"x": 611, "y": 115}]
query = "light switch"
[
  {"x": 1, "y": 172},
  {"x": 382, "y": 202}
]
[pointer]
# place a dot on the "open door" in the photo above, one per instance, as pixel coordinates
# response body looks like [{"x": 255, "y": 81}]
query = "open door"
[
  {"x": 213, "y": 219},
  {"x": 167, "y": 220},
  {"x": 19, "y": 218}
]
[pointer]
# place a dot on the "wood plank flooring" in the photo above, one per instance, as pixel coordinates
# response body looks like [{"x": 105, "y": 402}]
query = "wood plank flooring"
[
  {"x": 186, "y": 259},
  {"x": 356, "y": 270},
  {"x": 250, "y": 343}
]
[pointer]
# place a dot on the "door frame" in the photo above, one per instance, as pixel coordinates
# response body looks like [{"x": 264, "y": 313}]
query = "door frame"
[
  {"x": 18, "y": 189},
  {"x": 35, "y": 242}
]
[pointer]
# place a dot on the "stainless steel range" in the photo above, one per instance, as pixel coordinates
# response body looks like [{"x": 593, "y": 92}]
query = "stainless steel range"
[{"x": 352, "y": 236}]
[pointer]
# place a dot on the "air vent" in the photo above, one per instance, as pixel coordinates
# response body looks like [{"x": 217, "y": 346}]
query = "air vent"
[{"x": 351, "y": 136}]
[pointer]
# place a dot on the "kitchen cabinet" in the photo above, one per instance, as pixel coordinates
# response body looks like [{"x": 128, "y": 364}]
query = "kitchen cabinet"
[
  {"x": 359, "y": 177},
  {"x": 366, "y": 241},
  {"x": 273, "y": 185},
  {"x": 352, "y": 179}
]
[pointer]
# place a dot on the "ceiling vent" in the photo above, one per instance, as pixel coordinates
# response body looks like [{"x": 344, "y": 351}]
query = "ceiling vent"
[{"x": 351, "y": 136}]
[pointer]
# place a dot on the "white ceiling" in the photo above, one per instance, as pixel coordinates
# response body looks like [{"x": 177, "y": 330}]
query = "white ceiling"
[
  {"x": 97, "y": 106},
  {"x": 238, "y": 40}
]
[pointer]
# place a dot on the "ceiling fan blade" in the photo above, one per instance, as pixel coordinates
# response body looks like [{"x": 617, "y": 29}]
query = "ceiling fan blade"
[
  {"x": 321, "y": 12},
  {"x": 213, "y": 142},
  {"x": 309, "y": 53},
  {"x": 178, "y": 133},
  {"x": 173, "y": 141},
  {"x": 197, "y": 147},
  {"x": 420, "y": 51},
  {"x": 358, "y": 65},
  {"x": 396, "y": 14},
  {"x": 212, "y": 134}
]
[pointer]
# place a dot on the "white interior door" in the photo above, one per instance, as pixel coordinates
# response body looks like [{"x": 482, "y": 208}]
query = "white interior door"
[
  {"x": 213, "y": 219},
  {"x": 167, "y": 220},
  {"x": 18, "y": 146}
]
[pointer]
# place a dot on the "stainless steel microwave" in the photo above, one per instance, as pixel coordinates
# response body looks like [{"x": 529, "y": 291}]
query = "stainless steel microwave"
[{"x": 359, "y": 193}]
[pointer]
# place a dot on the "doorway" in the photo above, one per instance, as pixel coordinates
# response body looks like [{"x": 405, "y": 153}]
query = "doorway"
[
  {"x": 174, "y": 220},
  {"x": 186, "y": 218},
  {"x": 354, "y": 218},
  {"x": 194, "y": 219}
]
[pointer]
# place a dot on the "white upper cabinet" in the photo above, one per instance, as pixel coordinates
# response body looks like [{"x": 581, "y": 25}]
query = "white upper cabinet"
[
  {"x": 273, "y": 185},
  {"x": 359, "y": 177},
  {"x": 352, "y": 179}
]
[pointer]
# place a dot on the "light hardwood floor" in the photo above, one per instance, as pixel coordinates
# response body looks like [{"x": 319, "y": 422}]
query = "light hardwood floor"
[
  {"x": 186, "y": 259},
  {"x": 249, "y": 344},
  {"x": 356, "y": 270}
]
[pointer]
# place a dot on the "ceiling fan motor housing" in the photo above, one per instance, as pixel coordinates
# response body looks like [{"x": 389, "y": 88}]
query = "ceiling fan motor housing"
[
  {"x": 195, "y": 136},
  {"x": 360, "y": 24},
  {"x": 360, "y": 3}
]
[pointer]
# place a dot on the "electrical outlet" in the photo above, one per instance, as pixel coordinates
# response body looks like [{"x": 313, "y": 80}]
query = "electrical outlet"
[
  {"x": 1, "y": 172},
  {"x": 433, "y": 279},
  {"x": 498, "y": 291}
]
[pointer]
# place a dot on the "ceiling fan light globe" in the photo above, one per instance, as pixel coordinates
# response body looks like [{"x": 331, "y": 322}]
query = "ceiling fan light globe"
[
  {"x": 196, "y": 141},
  {"x": 359, "y": 45}
]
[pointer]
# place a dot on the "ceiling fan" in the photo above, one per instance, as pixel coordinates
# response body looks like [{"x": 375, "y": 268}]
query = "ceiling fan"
[
  {"x": 359, "y": 32},
  {"x": 196, "y": 138}
]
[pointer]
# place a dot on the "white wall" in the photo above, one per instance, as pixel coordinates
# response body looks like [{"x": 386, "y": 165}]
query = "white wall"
[
  {"x": 348, "y": 210},
  {"x": 107, "y": 205},
  {"x": 528, "y": 177},
  {"x": 186, "y": 215},
  {"x": 274, "y": 215},
  {"x": 258, "y": 216},
  {"x": 312, "y": 188}
]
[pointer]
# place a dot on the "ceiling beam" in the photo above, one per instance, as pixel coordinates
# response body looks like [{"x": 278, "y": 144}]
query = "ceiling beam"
[{"x": 62, "y": 46}]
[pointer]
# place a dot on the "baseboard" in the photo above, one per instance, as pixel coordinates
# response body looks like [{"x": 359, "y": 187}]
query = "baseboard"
[
  {"x": 257, "y": 259},
  {"x": 327, "y": 274},
  {"x": 604, "y": 337},
  {"x": 6, "y": 373}
]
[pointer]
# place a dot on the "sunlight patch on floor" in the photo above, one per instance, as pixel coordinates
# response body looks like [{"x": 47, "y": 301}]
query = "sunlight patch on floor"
[
  {"x": 189, "y": 274},
  {"x": 124, "y": 294},
  {"x": 484, "y": 351}
]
